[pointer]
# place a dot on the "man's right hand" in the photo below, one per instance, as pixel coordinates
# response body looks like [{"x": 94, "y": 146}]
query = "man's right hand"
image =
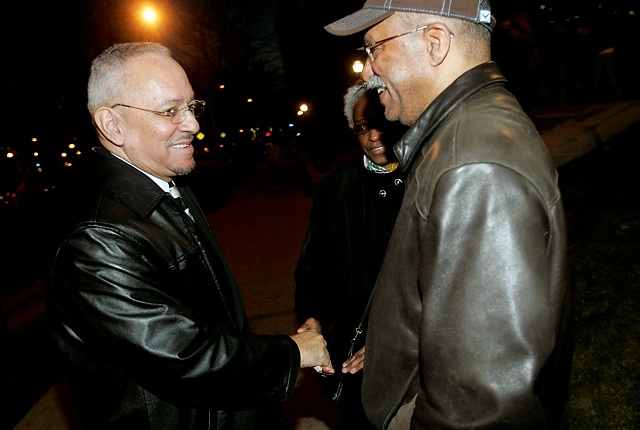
[{"x": 313, "y": 351}]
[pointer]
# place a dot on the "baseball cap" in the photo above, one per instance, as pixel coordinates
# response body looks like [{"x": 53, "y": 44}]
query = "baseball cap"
[{"x": 374, "y": 11}]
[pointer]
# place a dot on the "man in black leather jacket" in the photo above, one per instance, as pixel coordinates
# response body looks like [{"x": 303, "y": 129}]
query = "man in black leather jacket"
[
  {"x": 470, "y": 325},
  {"x": 354, "y": 209},
  {"x": 142, "y": 303}
]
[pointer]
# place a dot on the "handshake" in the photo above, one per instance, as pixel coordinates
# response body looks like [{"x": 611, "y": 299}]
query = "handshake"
[
  {"x": 314, "y": 353},
  {"x": 313, "y": 347}
]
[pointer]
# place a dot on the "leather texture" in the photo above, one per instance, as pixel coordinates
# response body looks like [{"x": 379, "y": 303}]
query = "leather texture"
[
  {"x": 149, "y": 319},
  {"x": 471, "y": 311}
]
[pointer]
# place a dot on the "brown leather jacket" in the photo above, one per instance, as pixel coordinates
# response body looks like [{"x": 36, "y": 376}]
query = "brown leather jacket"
[{"x": 471, "y": 312}]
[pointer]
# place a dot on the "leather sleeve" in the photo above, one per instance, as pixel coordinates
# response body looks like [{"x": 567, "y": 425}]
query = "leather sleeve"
[
  {"x": 118, "y": 295},
  {"x": 490, "y": 228}
]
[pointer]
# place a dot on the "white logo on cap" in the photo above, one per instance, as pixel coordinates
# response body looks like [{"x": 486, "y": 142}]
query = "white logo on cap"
[{"x": 485, "y": 16}]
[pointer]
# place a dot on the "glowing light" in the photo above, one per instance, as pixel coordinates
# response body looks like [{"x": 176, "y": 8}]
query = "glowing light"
[
  {"x": 249, "y": 100},
  {"x": 200, "y": 136},
  {"x": 358, "y": 66},
  {"x": 149, "y": 15},
  {"x": 9, "y": 154},
  {"x": 304, "y": 107},
  {"x": 72, "y": 145},
  {"x": 223, "y": 135}
]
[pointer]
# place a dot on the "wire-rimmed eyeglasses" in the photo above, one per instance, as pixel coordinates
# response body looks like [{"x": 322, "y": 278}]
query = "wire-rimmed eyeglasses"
[
  {"x": 176, "y": 115},
  {"x": 370, "y": 47}
]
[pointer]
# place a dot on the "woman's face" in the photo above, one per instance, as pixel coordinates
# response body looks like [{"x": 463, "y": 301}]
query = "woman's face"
[{"x": 370, "y": 124}]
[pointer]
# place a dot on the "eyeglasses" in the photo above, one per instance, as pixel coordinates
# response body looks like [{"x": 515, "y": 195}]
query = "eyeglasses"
[
  {"x": 362, "y": 128},
  {"x": 177, "y": 115},
  {"x": 369, "y": 48},
  {"x": 373, "y": 123}
]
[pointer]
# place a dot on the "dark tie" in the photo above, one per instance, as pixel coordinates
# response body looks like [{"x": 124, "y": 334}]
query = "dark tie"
[{"x": 175, "y": 193}]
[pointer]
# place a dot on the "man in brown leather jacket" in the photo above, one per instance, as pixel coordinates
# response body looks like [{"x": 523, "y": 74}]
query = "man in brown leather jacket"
[
  {"x": 142, "y": 303},
  {"x": 470, "y": 325}
]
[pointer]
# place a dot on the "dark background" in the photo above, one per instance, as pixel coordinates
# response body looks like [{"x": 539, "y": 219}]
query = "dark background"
[{"x": 273, "y": 51}]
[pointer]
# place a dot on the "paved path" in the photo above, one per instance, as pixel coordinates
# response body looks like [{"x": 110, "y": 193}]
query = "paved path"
[
  {"x": 270, "y": 228},
  {"x": 576, "y": 130}
]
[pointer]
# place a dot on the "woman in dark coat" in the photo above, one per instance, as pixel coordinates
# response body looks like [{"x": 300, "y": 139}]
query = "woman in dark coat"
[{"x": 350, "y": 224}]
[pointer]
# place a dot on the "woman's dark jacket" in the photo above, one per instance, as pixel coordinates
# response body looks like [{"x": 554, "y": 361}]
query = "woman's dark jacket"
[
  {"x": 350, "y": 223},
  {"x": 149, "y": 318}
]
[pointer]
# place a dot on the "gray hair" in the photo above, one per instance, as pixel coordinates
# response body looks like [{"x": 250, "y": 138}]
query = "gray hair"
[
  {"x": 474, "y": 39},
  {"x": 108, "y": 73},
  {"x": 352, "y": 95}
]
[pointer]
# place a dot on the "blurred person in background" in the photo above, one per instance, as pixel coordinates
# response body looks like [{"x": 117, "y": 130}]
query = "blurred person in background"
[
  {"x": 350, "y": 223},
  {"x": 605, "y": 83},
  {"x": 470, "y": 325},
  {"x": 143, "y": 305}
]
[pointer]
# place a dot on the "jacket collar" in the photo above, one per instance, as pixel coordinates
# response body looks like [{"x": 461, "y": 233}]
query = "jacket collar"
[
  {"x": 127, "y": 184},
  {"x": 461, "y": 89}
]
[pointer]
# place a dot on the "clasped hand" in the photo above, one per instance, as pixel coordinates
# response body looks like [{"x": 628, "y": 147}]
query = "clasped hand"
[
  {"x": 313, "y": 349},
  {"x": 352, "y": 365}
]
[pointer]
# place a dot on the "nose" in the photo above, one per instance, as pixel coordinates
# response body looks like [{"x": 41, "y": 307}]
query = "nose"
[
  {"x": 375, "y": 135},
  {"x": 190, "y": 123},
  {"x": 367, "y": 71}
]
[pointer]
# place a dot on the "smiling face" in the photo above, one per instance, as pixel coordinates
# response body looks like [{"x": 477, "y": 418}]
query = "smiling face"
[
  {"x": 368, "y": 114},
  {"x": 399, "y": 69},
  {"x": 389, "y": 69},
  {"x": 149, "y": 141}
]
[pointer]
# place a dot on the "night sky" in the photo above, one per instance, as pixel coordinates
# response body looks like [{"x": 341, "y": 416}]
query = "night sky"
[{"x": 49, "y": 46}]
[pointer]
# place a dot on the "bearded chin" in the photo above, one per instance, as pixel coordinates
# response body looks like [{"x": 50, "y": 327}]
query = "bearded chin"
[{"x": 182, "y": 171}]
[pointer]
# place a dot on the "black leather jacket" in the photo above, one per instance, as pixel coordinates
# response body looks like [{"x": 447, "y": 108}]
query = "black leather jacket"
[
  {"x": 148, "y": 316},
  {"x": 471, "y": 314}
]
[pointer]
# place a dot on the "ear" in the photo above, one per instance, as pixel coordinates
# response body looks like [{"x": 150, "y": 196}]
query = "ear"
[
  {"x": 109, "y": 125},
  {"x": 439, "y": 39}
]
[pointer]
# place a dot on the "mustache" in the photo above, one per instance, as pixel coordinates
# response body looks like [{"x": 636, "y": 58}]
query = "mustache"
[
  {"x": 375, "y": 83},
  {"x": 187, "y": 136}
]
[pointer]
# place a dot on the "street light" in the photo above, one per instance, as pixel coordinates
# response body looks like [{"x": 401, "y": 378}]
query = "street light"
[
  {"x": 149, "y": 18},
  {"x": 149, "y": 15},
  {"x": 357, "y": 66}
]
